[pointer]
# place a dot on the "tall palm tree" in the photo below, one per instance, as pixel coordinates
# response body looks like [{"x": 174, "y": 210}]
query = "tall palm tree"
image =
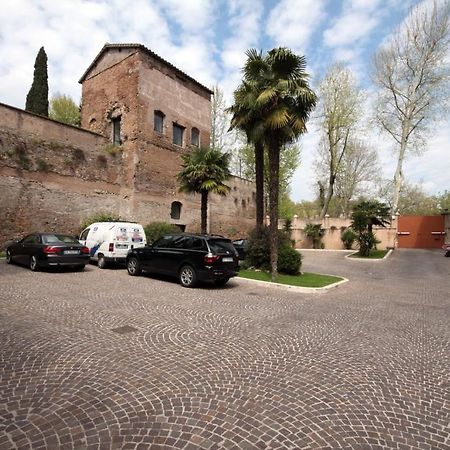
[
  {"x": 247, "y": 118},
  {"x": 204, "y": 170},
  {"x": 283, "y": 101}
]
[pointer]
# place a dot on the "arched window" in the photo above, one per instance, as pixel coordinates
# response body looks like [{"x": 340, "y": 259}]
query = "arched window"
[
  {"x": 158, "y": 121},
  {"x": 195, "y": 137},
  {"x": 175, "y": 210}
]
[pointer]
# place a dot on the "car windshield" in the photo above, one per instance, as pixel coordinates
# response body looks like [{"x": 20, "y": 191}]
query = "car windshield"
[
  {"x": 58, "y": 239},
  {"x": 221, "y": 246}
]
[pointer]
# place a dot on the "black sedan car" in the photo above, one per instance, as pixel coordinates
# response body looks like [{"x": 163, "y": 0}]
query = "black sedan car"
[
  {"x": 189, "y": 257},
  {"x": 40, "y": 250}
]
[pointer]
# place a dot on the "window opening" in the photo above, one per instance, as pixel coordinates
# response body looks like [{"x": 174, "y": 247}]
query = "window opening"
[
  {"x": 175, "y": 210},
  {"x": 116, "y": 131},
  {"x": 158, "y": 122},
  {"x": 178, "y": 132},
  {"x": 195, "y": 137}
]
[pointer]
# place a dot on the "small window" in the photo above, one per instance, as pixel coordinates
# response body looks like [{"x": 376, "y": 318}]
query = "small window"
[
  {"x": 195, "y": 137},
  {"x": 84, "y": 235},
  {"x": 158, "y": 122},
  {"x": 116, "y": 131},
  {"x": 175, "y": 210},
  {"x": 178, "y": 132}
]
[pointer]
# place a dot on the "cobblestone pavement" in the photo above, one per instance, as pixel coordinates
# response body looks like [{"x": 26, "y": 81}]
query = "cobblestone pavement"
[{"x": 102, "y": 360}]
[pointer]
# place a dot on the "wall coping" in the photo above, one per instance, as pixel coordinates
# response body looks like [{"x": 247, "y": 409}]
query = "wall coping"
[{"x": 23, "y": 111}]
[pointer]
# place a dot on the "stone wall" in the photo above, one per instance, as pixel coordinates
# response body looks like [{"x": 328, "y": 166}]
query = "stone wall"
[{"x": 52, "y": 176}]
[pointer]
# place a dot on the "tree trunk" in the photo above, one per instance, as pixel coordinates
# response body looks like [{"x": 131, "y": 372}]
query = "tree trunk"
[
  {"x": 204, "y": 210},
  {"x": 398, "y": 177},
  {"x": 274, "y": 169},
  {"x": 259, "y": 178},
  {"x": 328, "y": 197}
]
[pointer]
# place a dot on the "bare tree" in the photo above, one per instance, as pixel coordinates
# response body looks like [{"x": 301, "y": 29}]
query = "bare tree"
[
  {"x": 220, "y": 120},
  {"x": 340, "y": 110},
  {"x": 222, "y": 138},
  {"x": 411, "y": 71},
  {"x": 358, "y": 171}
]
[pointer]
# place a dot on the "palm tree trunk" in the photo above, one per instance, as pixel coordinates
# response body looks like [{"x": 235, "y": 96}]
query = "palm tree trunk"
[
  {"x": 259, "y": 179},
  {"x": 274, "y": 181},
  {"x": 204, "y": 210}
]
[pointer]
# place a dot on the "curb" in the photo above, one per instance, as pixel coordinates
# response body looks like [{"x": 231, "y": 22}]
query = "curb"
[
  {"x": 287, "y": 287},
  {"x": 369, "y": 259}
]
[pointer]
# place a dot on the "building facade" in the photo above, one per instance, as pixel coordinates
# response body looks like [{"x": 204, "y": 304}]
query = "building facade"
[{"x": 139, "y": 115}]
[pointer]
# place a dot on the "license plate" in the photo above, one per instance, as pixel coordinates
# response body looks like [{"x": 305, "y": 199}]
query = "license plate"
[
  {"x": 71, "y": 252},
  {"x": 122, "y": 246},
  {"x": 226, "y": 259}
]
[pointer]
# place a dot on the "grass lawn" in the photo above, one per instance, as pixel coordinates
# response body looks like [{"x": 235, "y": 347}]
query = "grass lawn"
[
  {"x": 374, "y": 254},
  {"x": 2, "y": 254},
  {"x": 304, "y": 280}
]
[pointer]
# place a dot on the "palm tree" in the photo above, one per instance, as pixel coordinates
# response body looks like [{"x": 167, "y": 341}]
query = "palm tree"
[
  {"x": 247, "y": 118},
  {"x": 204, "y": 171},
  {"x": 365, "y": 216},
  {"x": 282, "y": 103}
]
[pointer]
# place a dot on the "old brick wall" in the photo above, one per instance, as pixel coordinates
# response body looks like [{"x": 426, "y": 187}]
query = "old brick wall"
[{"x": 52, "y": 175}]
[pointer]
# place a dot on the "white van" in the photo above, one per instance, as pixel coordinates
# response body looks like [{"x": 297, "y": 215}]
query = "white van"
[{"x": 111, "y": 241}]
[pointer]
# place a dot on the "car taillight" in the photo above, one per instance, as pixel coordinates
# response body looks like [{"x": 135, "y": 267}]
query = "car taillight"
[
  {"x": 210, "y": 258},
  {"x": 84, "y": 250},
  {"x": 50, "y": 249},
  {"x": 111, "y": 246}
]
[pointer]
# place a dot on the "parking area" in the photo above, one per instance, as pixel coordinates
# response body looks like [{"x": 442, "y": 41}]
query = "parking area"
[{"x": 99, "y": 359}]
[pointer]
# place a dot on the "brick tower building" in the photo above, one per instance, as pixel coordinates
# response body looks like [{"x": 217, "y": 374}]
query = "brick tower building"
[{"x": 153, "y": 113}]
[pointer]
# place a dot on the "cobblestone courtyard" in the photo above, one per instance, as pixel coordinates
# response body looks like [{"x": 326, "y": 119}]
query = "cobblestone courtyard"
[{"x": 102, "y": 360}]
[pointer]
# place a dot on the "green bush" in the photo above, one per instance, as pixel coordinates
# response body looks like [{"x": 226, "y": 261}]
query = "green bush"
[
  {"x": 258, "y": 252},
  {"x": 289, "y": 261},
  {"x": 348, "y": 237},
  {"x": 100, "y": 217},
  {"x": 156, "y": 230}
]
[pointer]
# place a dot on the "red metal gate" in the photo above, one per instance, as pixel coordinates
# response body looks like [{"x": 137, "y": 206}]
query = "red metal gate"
[{"x": 421, "y": 231}]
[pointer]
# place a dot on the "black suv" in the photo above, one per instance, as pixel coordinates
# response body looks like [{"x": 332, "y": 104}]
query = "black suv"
[{"x": 190, "y": 257}]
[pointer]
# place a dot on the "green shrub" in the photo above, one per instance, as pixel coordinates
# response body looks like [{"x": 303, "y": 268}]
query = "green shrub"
[
  {"x": 289, "y": 261},
  {"x": 258, "y": 252},
  {"x": 156, "y": 230},
  {"x": 100, "y": 217},
  {"x": 348, "y": 237}
]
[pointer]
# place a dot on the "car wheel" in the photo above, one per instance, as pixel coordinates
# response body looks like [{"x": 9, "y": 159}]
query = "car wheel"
[
  {"x": 447, "y": 254},
  {"x": 34, "y": 266},
  {"x": 133, "y": 267},
  {"x": 187, "y": 276},
  {"x": 101, "y": 262},
  {"x": 221, "y": 282},
  {"x": 79, "y": 268},
  {"x": 8, "y": 257}
]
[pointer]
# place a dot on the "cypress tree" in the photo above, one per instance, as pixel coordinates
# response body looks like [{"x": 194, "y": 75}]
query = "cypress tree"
[{"x": 37, "y": 98}]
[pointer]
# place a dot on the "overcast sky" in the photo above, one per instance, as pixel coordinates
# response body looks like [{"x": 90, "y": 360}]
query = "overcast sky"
[{"x": 207, "y": 39}]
